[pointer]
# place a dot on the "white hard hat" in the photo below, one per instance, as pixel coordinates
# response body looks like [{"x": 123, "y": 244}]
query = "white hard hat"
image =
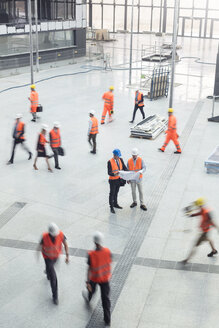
[
  {"x": 19, "y": 115},
  {"x": 44, "y": 126},
  {"x": 98, "y": 238},
  {"x": 92, "y": 112},
  {"x": 56, "y": 125},
  {"x": 134, "y": 151},
  {"x": 53, "y": 229}
]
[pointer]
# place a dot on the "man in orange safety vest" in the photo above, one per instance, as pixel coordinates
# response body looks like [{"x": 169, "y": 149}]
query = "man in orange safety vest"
[
  {"x": 34, "y": 101},
  {"x": 93, "y": 131},
  {"x": 108, "y": 98}
]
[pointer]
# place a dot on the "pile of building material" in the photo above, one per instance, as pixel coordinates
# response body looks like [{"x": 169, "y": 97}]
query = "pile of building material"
[
  {"x": 150, "y": 127},
  {"x": 212, "y": 163}
]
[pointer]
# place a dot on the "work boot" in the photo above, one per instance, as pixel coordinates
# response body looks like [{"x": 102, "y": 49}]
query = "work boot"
[
  {"x": 9, "y": 162},
  {"x": 30, "y": 156},
  {"x": 50, "y": 170},
  {"x": 161, "y": 150},
  {"x": 131, "y": 121},
  {"x": 33, "y": 120},
  {"x": 35, "y": 167},
  {"x": 184, "y": 262},
  {"x": 57, "y": 167},
  {"x": 107, "y": 324},
  {"x": 133, "y": 204},
  {"x": 143, "y": 207},
  {"x": 55, "y": 300},
  {"x": 177, "y": 152},
  {"x": 117, "y": 206},
  {"x": 212, "y": 253},
  {"x": 92, "y": 152},
  {"x": 102, "y": 122},
  {"x": 112, "y": 210}
]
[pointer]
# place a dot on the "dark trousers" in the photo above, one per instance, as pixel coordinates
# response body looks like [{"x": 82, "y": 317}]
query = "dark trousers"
[
  {"x": 114, "y": 189},
  {"x": 92, "y": 137},
  {"x": 56, "y": 156},
  {"x": 51, "y": 275},
  {"x": 16, "y": 142},
  {"x": 135, "y": 110},
  {"x": 105, "y": 290}
]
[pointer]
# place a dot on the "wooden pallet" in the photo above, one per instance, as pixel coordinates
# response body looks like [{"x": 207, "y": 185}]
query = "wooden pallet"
[{"x": 141, "y": 137}]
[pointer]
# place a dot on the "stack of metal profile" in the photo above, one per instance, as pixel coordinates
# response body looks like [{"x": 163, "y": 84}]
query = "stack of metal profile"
[
  {"x": 212, "y": 163},
  {"x": 150, "y": 127}
]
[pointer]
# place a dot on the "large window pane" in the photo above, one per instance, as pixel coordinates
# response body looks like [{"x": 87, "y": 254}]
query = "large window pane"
[
  {"x": 145, "y": 19},
  {"x": 108, "y": 17},
  {"x": 96, "y": 16},
  {"x": 156, "y": 20},
  {"x": 170, "y": 14},
  {"x": 213, "y": 4},
  {"x": 119, "y": 24},
  {"x": 135, "y": 19}
]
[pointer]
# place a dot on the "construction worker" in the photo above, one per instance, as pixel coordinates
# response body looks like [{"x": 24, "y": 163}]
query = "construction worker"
[
  {"x": 114, "y": 165},
  {"x": 108, "y": 98},
  {"x": 136, "y": 163},
  {"x": 19, "y": 138},
  {"x": 34, "y": 102},
  {"x": 139, "y": 103},
  {"x": 205, "y": 226},
  {"x": 99, "y": 272},
  {"x": 92, "y": 131},
  {"x": 55, "y": 143},
  {"x": 171, "y": 133},
  {"x": 41, "y": 150},
  {"x": 51, "y": 248}
]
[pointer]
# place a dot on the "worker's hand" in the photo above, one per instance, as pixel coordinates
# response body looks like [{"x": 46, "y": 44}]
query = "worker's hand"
[
  {"x": 89, "y": 288},
  {"x": 128, "y": 182},
  {"x": 67, "y": 259},
  {"x": 177, "y": 135},
  {"x": 116, "y": 174}
]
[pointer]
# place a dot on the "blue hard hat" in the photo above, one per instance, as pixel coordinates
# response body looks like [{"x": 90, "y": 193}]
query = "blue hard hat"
[{"x": 117, "y": 152}]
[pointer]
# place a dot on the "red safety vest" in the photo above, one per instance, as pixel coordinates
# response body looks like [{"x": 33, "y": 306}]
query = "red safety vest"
[
  {"x": 19, "y": 129},
  {"x": 138, "y": 97},
  {"x": 52, "y": 250},
  {"x": 55, "y": 139},
  {"x": 94, "y": 128},
  {"x": 172, "y": 124},
  {"x": 205, "y": 222},
  {"x": 100, "y": 268},
  {"x": 34, "y": 98},
  {"x": 42, "y": 140},
  {"x": 115, "y": 168},
  {"x": 137, "y": 167}
]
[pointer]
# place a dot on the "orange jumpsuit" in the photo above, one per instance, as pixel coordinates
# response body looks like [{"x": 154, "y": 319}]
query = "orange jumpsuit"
[
  {"x": 34, "y": 101},
  {"x": 171, "y": 134},
  {"x": 108, "y": 98}
]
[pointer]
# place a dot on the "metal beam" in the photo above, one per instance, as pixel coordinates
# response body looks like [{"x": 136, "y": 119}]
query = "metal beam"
[
  {"x": 125, "y": 16},
  {"x": 90, "y": 13},
  {"x": 174, "y": 42},
  {"x": 164, "y": 16},
  {"x": 31, "y": 41},
  {"x": 37, "y": 39},
  {"x": 131, "y": 39}
]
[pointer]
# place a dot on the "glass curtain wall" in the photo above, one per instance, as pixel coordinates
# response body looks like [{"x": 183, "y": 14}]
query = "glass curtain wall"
[
  {"x": 197, "y": 18},
  {"x": 16, "y": 11}
]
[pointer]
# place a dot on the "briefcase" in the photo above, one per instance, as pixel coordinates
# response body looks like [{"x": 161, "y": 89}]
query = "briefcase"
[
  {"x": 39, "y": 108},
  {"x": 61, "y": 151}
]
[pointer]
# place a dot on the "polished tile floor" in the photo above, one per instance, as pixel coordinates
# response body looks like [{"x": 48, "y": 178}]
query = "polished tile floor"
[{"x": 150, "y": 288}]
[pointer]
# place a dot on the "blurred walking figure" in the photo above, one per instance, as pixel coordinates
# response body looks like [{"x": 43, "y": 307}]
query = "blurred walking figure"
[
  {"x": 99, "y": 272},
  {"x": 19, "y": 138},
  {"x": 114, "y": 165},
  {"x": 34, "y": 101},
  {"x": 171, "y": 133},
  {"x": 41, "y": 150},
  {"x": 139, "y": 104},
  {"x": 205, "y": 225},
  {"x": 93, "y": 131},
  {"x": 108, "y": 98},
  {"x": 51, "y": 248},
  {"x": 55, "y": 143},
  {"x": 136, "y": 163}
]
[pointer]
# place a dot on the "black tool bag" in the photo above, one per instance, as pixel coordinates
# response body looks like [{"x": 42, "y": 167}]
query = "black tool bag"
[
  {"x": 39, "y": 108},
  {"x": 122, "y": 182},
  {"x": 61, "y": 151}
]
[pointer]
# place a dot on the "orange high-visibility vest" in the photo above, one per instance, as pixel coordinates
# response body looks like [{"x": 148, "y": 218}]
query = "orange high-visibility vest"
[
  {"x": 42, "y": 139},
  {"x": 138, "y": 97},
  {"x": 205, "y": 222},
  {"x": 52, "y": 250},
  {"x": 34, "y": 99},
  {"x": 19, "y": 129},
  {"x": 108, "y": 98},
  {"x": 172, "y": 124},
  {"x": 94, "y": 128},
  {"x": 115, "y": 168},
  {"x": 100, "y": 268},
  {"x": 55, "y": 139},
  {"x": 137, "y": 167}
]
